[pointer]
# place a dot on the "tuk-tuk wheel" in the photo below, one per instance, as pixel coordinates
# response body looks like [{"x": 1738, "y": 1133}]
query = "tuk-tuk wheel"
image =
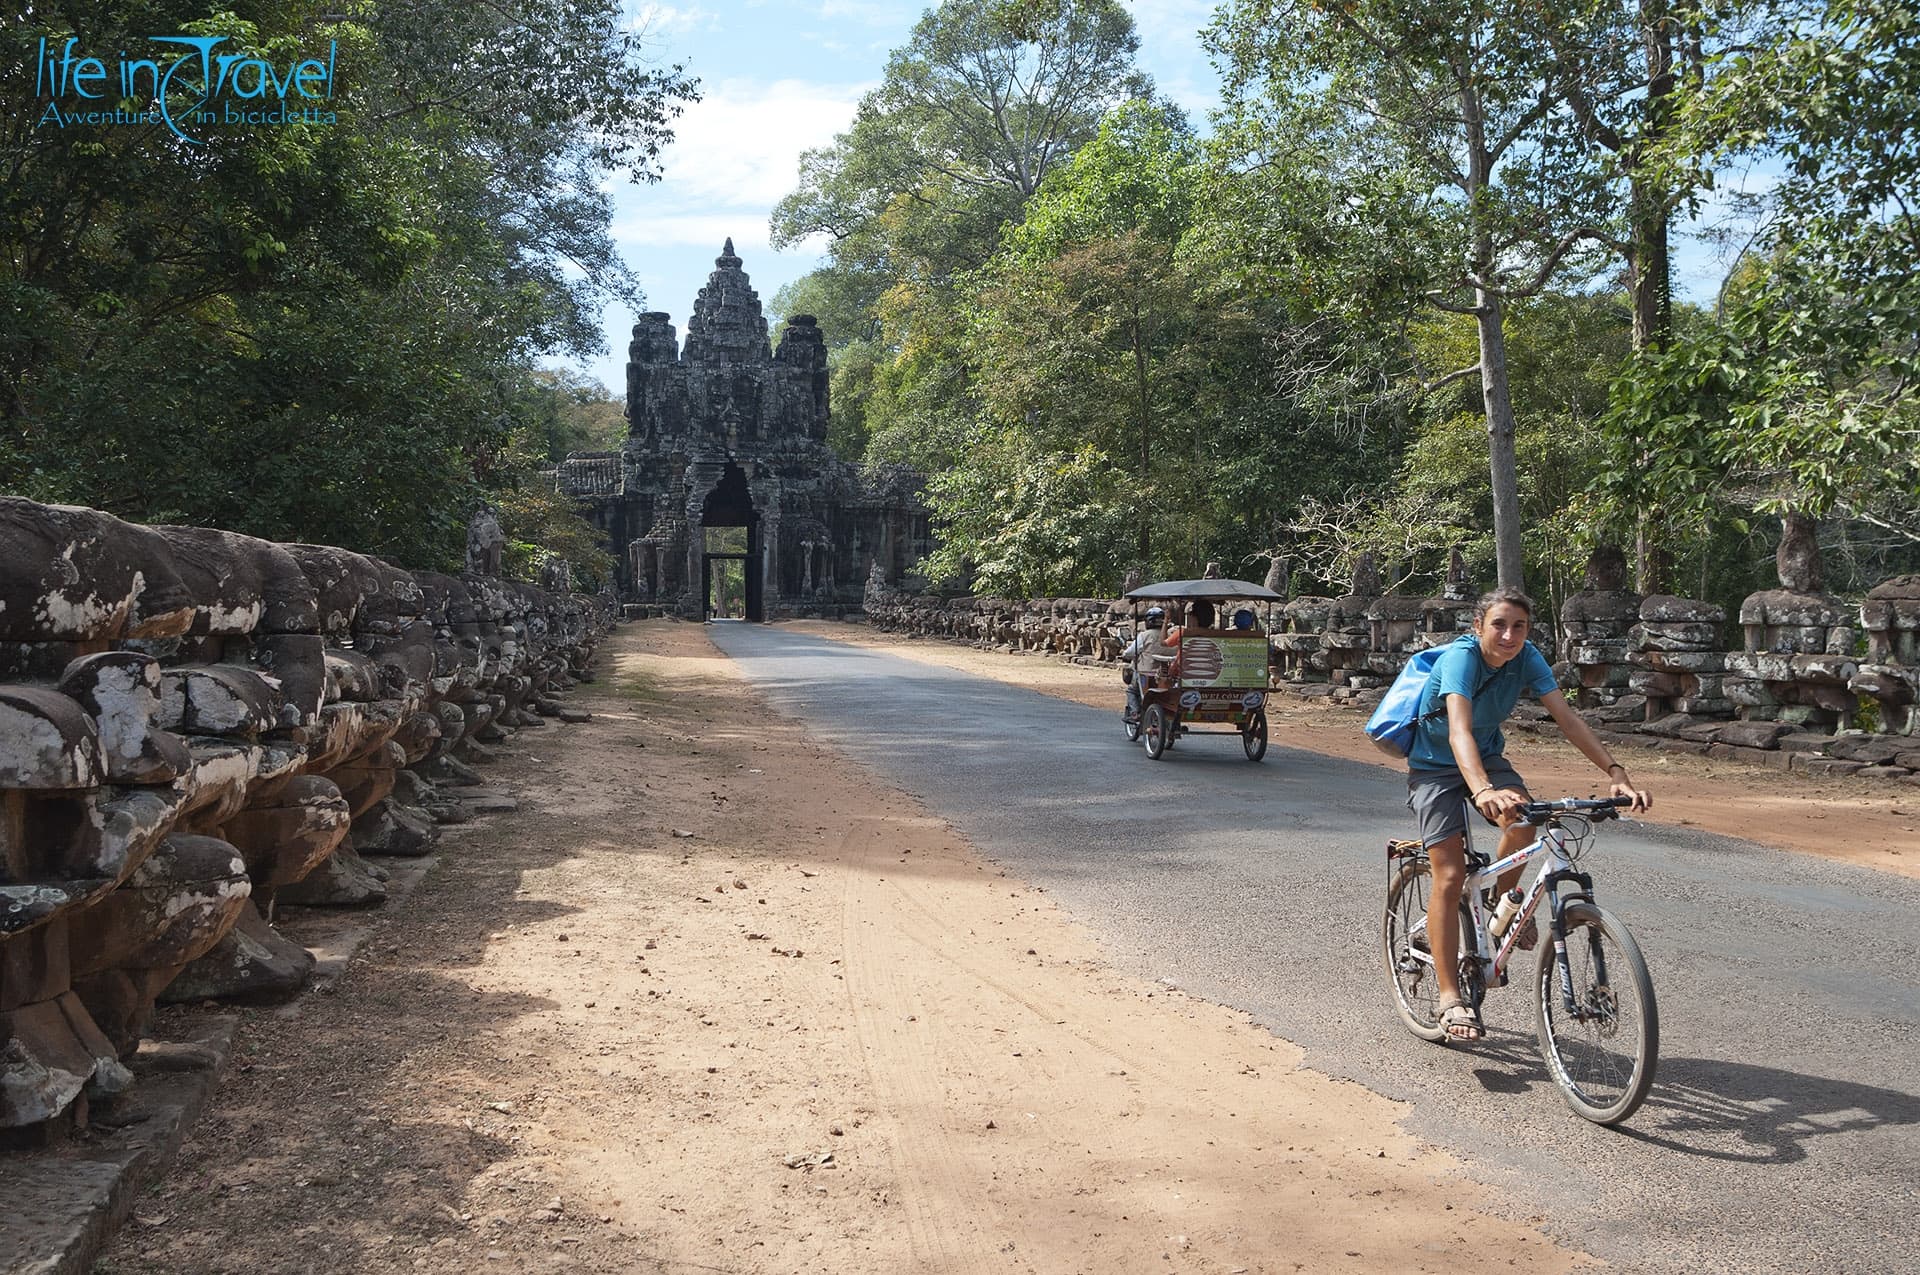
[
  {"x": 1253, "y": 736},
  {"x": 1133, "y": 726},
  {"x": 1155, "y": 730}
]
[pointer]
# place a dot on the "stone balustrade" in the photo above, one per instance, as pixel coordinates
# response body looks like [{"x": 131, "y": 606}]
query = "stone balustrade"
[
  {"x": 196, "y": 725},
  {"x": 1654, "y": 670}
]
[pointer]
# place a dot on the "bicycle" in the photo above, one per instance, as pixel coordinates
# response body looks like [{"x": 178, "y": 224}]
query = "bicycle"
[{"x": 1598, "y": 1024}]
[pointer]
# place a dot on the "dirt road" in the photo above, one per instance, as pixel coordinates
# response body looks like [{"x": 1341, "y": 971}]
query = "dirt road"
[{"x": 819, "y": 1033}]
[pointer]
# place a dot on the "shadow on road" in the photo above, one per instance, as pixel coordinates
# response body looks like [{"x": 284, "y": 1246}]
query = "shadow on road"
[{"x": 1743, "y": 1112}]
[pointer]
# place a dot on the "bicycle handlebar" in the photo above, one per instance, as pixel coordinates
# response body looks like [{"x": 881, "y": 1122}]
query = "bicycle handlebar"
[{"x": 1595, "y": 807}]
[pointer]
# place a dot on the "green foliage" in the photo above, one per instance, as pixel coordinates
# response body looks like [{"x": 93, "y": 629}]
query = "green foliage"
[
  {"x": 572, "y": 413},
  {"x": 1799, "y": 394},
  {"x": 971, "y": 115},
  {"x": 312, "y": 331},
  {"x": 540, "y": 523},
  {"x": 1022, "y": 521}
]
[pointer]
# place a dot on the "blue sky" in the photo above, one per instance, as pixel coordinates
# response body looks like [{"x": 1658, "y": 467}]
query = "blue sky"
[{"x": 781, "y": 76}]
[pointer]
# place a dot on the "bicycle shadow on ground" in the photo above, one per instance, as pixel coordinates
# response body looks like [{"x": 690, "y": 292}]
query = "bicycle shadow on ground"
[
  {"x": 1745, "y": 1113},
  {"x": 1718, "y": 1110}
]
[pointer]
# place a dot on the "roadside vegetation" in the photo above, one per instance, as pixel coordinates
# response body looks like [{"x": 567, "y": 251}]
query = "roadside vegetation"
[
  {"x": 323, "y": 331},
  {"x": 1408, "y": 288}
]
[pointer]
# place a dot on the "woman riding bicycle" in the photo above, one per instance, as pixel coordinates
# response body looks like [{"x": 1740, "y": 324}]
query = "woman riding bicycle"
[{"x": 1458, "y": 759}]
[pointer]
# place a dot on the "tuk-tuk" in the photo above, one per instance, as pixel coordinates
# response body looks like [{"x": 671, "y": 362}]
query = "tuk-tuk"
[{"x": 1207, "y": 675}]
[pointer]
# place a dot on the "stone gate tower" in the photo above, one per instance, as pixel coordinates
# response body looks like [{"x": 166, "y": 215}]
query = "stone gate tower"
[{"x": 730, "y": 433}]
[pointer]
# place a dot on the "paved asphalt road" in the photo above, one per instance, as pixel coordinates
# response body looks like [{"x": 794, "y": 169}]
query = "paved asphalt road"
[{"x": 1783, "y": 1131}]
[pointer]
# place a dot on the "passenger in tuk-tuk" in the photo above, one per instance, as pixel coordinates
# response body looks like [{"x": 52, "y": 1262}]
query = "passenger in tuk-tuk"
[
  {"x": 1199, "y": 616},
  {"x": 1246, "y": 622},
  {"x": 1200, "y": 619}
]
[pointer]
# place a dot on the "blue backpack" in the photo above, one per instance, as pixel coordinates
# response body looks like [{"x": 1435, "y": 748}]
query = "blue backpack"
[
  {"x": 1396, "y": 718},
  {"x": 1392, "y": 726}
]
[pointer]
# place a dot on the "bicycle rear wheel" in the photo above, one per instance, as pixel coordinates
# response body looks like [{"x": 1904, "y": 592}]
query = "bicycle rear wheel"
[
  {"x": 1603, "y": 1055},
  {"x": 1410, "y": 969}
]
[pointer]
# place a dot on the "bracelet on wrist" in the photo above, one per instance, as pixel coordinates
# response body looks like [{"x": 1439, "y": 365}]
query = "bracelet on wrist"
[{"x": 1616, "y": 766}]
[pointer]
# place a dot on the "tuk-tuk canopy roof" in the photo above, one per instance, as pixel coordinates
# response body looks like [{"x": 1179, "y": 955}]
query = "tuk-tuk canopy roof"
[{"x": 1212, "y": 590}]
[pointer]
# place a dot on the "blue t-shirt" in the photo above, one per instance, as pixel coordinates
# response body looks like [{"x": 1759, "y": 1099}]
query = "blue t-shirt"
[{"x": 1461, "y": 671}]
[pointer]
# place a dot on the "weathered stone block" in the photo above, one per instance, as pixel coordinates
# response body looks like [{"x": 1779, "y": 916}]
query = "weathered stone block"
[
  {"x": 251, "y": 964},
  {"x": 1754, "y": 735},
  {"x": 69, "y": 574},
  {"x": 297, "y": 664},
  {"x": 1765, "y": 666},
  {"x": 1747, "y": 693},
  {"x": 53, "y": 1051},
  {"x": 216, "y": 699},
  {"x": 1891, "y": 684},
  {"x": 120, "y": 690},
  {"x": 1854, "y": 746},
  {"x": 46, "y": 740},
  {"x": 1750, "y": 756},
  {"x": 393, "y": 829},
  {"x": 1686, "y": 661},
  {"x": 1665, "y": 608},
  {"x": 1809, "y": 764},
  {"x": 342, "y": 880},
  {"x": 1806, "y": 715},
  {"x": 1776, "y": 608},
  {"x": 283, "y": 840},
  {"x": 1675, "y": 636},
  {"x": 1656, "y": 684}
]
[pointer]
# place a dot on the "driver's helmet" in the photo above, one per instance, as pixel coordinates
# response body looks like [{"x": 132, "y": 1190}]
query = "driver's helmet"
[
  {"x": 1243, "y": 618},
  {"x": 1156, "y": 614}
]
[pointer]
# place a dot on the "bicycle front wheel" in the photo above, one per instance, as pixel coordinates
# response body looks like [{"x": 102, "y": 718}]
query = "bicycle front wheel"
[{"x": 1602, "y": 1050}]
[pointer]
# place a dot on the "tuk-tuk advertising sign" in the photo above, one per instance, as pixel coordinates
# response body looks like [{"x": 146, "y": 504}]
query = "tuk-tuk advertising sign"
[{"x": 1225, "y": 661}]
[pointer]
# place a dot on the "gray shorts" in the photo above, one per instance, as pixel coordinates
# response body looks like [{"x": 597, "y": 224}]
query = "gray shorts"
[{"x": 1438, "y": 798}]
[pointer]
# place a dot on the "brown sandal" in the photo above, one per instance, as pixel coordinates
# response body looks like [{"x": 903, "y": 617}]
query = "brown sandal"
[{"x": 1460, "y": 1020}]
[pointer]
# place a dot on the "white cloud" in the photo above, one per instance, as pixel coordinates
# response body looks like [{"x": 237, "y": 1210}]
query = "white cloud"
[
  {"x": 656, "y": 19},
  {"x": 700, "y": 231},
  {"x": 740, "y": 145},
  {"x": 873, "y": 14}
]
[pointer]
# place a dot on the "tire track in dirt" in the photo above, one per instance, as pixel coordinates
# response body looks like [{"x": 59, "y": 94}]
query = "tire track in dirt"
[{"x": 907, "y": 1047}]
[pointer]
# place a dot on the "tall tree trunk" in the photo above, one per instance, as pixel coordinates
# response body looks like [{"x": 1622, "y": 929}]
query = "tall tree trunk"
[
  {"x": 1502, "y": 463},
  {"x": 1143, "y": 405},
  {"x": 1490, "y": 314},
  {"x": 1649, "y": 261}
]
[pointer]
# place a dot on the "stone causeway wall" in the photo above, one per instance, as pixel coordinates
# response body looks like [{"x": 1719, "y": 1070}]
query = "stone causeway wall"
[
  {"x": 1657, "y": 670},
  {"x": 195, "y": 725}
]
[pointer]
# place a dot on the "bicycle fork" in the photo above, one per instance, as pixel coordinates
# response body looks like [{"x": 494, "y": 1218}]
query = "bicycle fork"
[{"x": 1562, "y": 962}]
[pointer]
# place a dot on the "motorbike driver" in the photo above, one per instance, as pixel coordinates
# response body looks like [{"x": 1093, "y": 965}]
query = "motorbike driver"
[{"x": 1133, "y": 657}]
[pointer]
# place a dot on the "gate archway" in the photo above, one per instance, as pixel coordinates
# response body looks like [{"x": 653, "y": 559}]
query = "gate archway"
[{"x": 730, "y": 531}]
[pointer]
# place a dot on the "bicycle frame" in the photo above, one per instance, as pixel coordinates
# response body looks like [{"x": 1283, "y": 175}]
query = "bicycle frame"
[{"x": 1556, "y": 867}]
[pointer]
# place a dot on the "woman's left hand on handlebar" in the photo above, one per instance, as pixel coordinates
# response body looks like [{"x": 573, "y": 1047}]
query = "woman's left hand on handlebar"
[{"x": 1641, "y": 800}]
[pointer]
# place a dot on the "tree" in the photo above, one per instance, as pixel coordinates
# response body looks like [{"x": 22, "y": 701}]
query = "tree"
[
  {"x": 1081, "y": 324},
  {"x": 317, "y": 330},
  {"x": 1799, "y": 398},
  {"x": 1457, "y": 115},
  {"x": 574, "y": 413},
  {"x": 971, "y": 115}
]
